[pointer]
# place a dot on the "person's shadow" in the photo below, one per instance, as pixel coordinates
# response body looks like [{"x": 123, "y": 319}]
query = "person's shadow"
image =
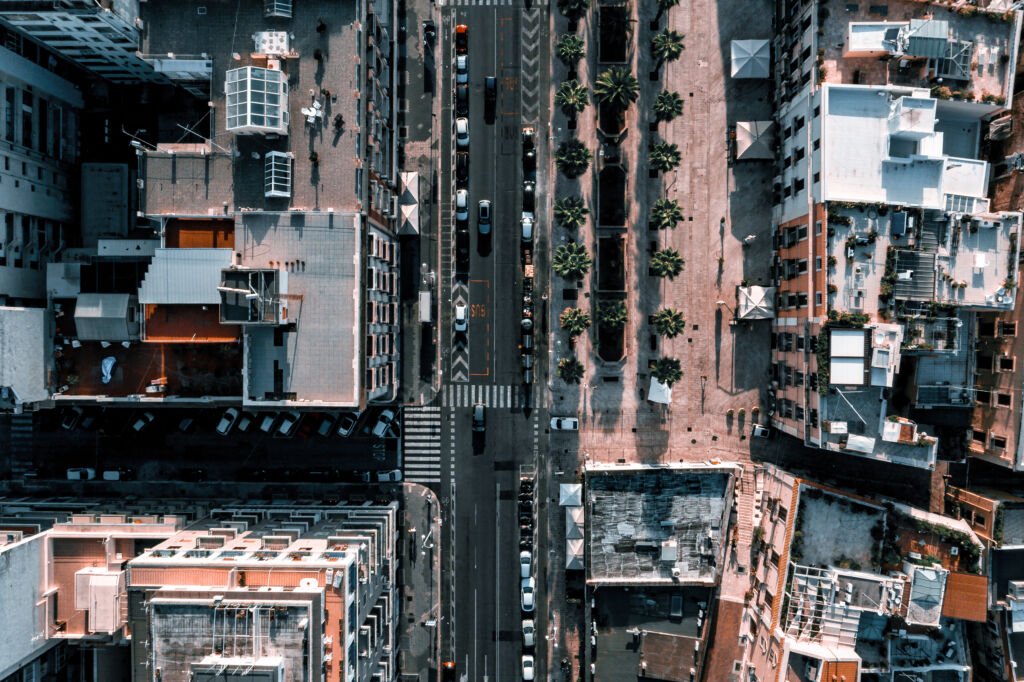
[{"x": 339, "y": 129}]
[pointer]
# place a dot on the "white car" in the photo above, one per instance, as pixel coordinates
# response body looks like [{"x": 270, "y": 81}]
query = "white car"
[
  {"x": 528, "y": 587},
  {"x": 461, "y": 318},
  {"x": 528, "y": 669},
  {"x": 462, "y": 68},
  {"x": 525, "y": 564},
  {"x": 565, "y": 424},
  {"x": 347, "y": 424},
  {"x": 393, "y": 476},
  {"x": 526, "y": 227},
  {"x": 383, "y": 423},
  {"x": 143, "y": 421},
  {"x": 227, "y": 422},
  {"x": 81, "y": 474},
  {"x": 462, "y": 132},
  {"x": 288, "y": 424},
  {"x": 529, "y": 633},
  {"x": 462, "y": 206}
]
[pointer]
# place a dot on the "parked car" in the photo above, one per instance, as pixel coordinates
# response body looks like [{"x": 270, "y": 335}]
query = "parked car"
[
  {"x": 462, "y": 100},
  {"x": 461, "y": 39},
  {"x": 81, "y": 474},
  {"x": 462, "y": 69},
  {"x": 71, "y": 419},
  {"x": 112, "y": 475},
  {"x": 483, "y": 216},
  {"x": 462, "y": 132},
  {"x": 327, "y": 424},
  {"x": 245, "y": 422},
  {"x": 462, "y": 206},
  {"x": 392, "y": 476},
  {"x": 461, "y": 318},
  {"x": 490, "y": 98},
  {"x": 186, "y": 424},
  {"x": 267, "y": 425},
  {"x": 288, "y": 424},
  {"x": 528, "y": 669},
  {"x": 347, "y": 424},
  {"x": 461, "y": 169},
  {"x": 528, "y": 589},
  {"x": 529, "y": 633},
  {"x": 529, "y": 195},
  {"x": 227, "y": 421},
  {"x": 144, "y": 420},
  {"x": 383, "y": 423},
  {"x": 526, "y": 227},
  {"x": 479, "y": 417},
  {"x": 565, "y": 424},
  {"x": 525, "y": 564}
]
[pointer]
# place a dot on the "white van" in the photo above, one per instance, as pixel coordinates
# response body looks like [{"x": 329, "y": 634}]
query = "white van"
[{"x": 81, "y": 474}]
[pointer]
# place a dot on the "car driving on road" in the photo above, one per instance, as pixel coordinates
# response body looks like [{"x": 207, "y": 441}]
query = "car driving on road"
[
  {"x": 461, "y": 318},
  {"x": 565, "y": 424},
  {"x": 461, "y": 39},
  {"x": 483, "y": 216}
]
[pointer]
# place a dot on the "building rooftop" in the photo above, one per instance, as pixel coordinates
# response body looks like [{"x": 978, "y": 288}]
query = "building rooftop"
[
  {"x": 927, "y": 590},
  {"x": 838, "y": 528},
  {"x": 902, "y": 157},
  {"x": 656, "y": 524},
  {"x": 972, "y": 49},
  {"x": 326, "y": 171},
  {"x": 315, "y": 360},
  {"x": 25, "y": 359},
  {"x": 636, "y": 632}
]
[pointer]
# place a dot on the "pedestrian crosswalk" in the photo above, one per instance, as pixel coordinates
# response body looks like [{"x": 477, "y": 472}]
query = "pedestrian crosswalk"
[
  {"x": 421, "y": 445},
  {"x": 491, "y": 395}
]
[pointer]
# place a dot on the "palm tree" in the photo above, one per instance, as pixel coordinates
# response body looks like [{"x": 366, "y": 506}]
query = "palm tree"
[
  {"x": 575, "y": 321},
  {"x": 613, "y": 314},
  {"x": 667, "y": 370},
  {"x": 665, "y": 214},
  {"x": 570, "y": 212},
  {"x": 664, "y": 156},
  {"x": 572, "y": 158},
  {"x": 570, "y": 370},
  {"x": 570, "y": 49},
  {"x": 666, "y": 46},
  {"x": 572, "y": 97},
  {"x": 616, "y": 87},
  {"x": 667, "y": 263},
  {"x": 669, "y": 322},
  {"x": 664, "y": 6},
  {"x": 573, "y": 9},
  {"x": 571, "y": 260},
  {"x": 668, "y": 105}
]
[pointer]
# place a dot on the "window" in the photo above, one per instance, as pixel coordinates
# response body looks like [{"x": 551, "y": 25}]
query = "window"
[
  {"x": 817, "y": 263},
  {"x": 982, "y": 397},
  {"x": 817, "y": 299},
  {"x": 978, "y": 436},
  {"x": 817, "y": 111},
  {"x": 801, "y": 267},
  {"x": 979, "y": 520},
  {"x": 799, "y": 413},
  {"x": 798, "y": 185},
  {"x": 986, "y": 327},
  {"x": 798, "y": 154},
  {"x": 817, "y": 227},
  {"x": 1004, "y": 399},
  {"x": 816, "y": 145},
  {"x": 998, "y": 442},
  {"x": 782, "y": 513},
  {"x": 1006, "y": 363},
  {"x": 817, "y": 177},
  {"x": 9, "y": 98},
  {"x": 800, "y": 343},
  {"x": 257, "y": 100},
  {"x": 984, "y": 362},
  {"x": 1008, "y": 329}
]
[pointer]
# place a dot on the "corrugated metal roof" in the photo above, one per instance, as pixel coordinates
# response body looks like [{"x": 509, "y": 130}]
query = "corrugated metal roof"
[
  {"x": 184, "y": 276},
  {"x": 966, "y": 597}
]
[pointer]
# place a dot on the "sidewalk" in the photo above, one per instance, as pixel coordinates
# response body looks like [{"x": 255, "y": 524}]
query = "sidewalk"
[
  {"x": 419, "y": 107},
  {"x": 419, "y": 549}
]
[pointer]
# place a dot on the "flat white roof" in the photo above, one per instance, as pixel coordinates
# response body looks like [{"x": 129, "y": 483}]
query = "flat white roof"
[
  {"x": 846, "y": 371},
  {"x": 871, "y": 36},
  {"x": 847, "y": 343}
]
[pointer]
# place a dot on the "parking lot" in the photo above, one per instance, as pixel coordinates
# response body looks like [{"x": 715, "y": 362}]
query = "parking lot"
[{"x": 184, "y": 444}]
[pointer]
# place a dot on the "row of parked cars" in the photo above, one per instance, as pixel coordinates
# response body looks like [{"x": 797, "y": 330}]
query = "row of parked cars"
[
  {"x": 285, "y": 424},
  {"x": 527, "y": 583}
]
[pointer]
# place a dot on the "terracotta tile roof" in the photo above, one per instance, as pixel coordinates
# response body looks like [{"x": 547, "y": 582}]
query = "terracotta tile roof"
[
  {"x": 966, "y": 597},
  {"x": 840, "y": 671}
]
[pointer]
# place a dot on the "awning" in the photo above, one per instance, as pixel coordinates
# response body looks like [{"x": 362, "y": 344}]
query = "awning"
[
  {"x": 658, "y": 392},
  {"x": 574, "y": 555},
  {"x": 409, "y": 203},
  {"x": 751, "y": 59},
  {"x": 754, "y": 140},
  {"x": 574, "y": 523},
  {"x": 756, "y": 303},
  {"x": 102, "y": 317},
  {"x": 570, "y": 495}
]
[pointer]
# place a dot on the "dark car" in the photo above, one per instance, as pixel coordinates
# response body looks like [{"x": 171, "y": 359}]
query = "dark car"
[
  {"x": 529, "y": 161},
  {"x": 462, "y": 100},
  {"x": 448, "y": 673},
  {"x": 529, "y": 192},
  {"x": 490, "y": 98},
  {"x": 461, "y": 169},
  {"x": 461, "y": 39},
  {"x": 528, "y": 138}
]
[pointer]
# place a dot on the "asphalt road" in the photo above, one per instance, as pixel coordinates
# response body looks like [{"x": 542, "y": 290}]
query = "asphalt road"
[{"x": 481, "y": 585}]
